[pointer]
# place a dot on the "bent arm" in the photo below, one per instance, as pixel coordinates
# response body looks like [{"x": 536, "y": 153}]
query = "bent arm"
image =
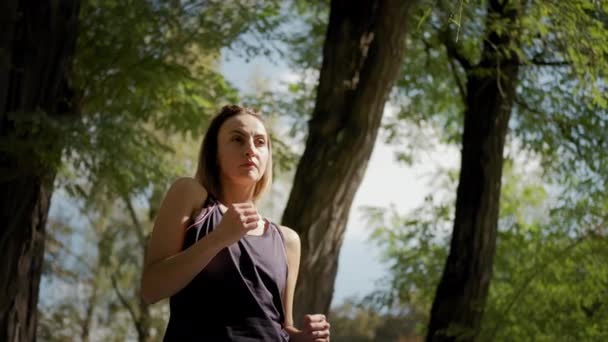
[
  {"x": 315, "y": 327},
  {"x": 292, "y": 249},
  {"x": 167, "y": 269}
]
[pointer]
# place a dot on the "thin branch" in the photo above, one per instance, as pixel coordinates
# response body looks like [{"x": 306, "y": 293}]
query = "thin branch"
[
  {"x": 459, "y": 21},
  {"x": 453, "y": 50},
  {"x": 461, "y": 90},
  {"x": 53, "y": 241},
  {"x": 427, "y": 49},
  {"x": 525, "y": 106},
  {"x": 124, "y": 301},
  {"x": 539, "y": 62},
  {"x": 537, "y": 271},
  {"x": 498, "y": 78},
  {"x": 138, "y": 227},
  {"x": 562, "y": 125},
  {"x": 542, "y": 267}
]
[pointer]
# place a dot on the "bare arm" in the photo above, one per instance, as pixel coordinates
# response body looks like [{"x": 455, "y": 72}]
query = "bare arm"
[
  {"x": 292, "y": 249},
  {"x": 315, "y": 327},
  {"x": 167, "y": 269}
]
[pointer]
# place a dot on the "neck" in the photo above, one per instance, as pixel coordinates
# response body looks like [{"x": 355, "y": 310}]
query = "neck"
[{"x": 233, "y": 193}]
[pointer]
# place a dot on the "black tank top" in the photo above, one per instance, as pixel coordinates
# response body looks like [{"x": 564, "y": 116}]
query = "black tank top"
[{"x": 238, "y": 295}]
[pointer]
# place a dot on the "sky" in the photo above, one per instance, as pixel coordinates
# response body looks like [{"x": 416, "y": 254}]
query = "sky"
[{"x": 386, "y": 182}]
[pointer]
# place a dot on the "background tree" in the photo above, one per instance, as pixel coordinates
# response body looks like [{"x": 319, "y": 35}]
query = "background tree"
[
  {"x": 362, "y": 53},
  {"x": 37, "y": 46},
  {"x": 503, "y": 57},
  {"x": 547, "y": 281},
  {"x": 135, "y": 72}
]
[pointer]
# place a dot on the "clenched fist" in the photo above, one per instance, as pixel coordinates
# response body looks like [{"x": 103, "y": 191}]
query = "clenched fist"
[
  {"x": 315, "y": 328},
  {"x": 236, "y": 222}
]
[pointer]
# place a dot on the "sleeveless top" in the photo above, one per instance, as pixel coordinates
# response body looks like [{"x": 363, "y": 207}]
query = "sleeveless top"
[{"x": 238, "y": 295}]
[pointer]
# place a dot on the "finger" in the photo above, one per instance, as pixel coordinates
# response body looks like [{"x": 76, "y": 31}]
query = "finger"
[
  {"x": 252, "y": 218},
  {"x": 242, "y": 209},
  {"x": 320, "y": 334},
  {"x": 251, "y": 225},
  {"x": 244, "y": 218},
  {"x": 244, "y": 205},
  {"x": 318, "y": 325},
  {"x": 247, "y": 211},
  {"x": 314, "y": 318}
]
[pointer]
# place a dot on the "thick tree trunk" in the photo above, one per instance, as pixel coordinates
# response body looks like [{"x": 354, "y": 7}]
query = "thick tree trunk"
[
  {"x": 362, "y": 55},
  {"x": 37, "y": 41},
  {"x": 462, "y": 292}
]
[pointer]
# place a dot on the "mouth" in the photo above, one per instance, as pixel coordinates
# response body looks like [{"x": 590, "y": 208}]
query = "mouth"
[{"x": 249, "y": 165}]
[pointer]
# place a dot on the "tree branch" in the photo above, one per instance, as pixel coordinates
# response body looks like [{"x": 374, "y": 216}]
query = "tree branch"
[
  {"x": 537, "y": 271},
  {"x": 124, "y": 302},
  {"x": 543, "y": 266},
  {"x": 540, "y": 62},
  {"x": 50, "y": 239},
  {"x": 461, "y": 89},
  {"x": 138, "y": 227},
  {"x": 452, "y": 49}
]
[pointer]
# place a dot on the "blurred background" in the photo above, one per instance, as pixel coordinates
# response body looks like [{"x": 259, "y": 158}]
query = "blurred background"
[{"x": 445, "y": 162}]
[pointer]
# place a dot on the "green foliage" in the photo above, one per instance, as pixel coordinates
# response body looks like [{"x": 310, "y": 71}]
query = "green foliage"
[
  {"x": 93, "y": 267},
  {"x": 358, "y": 321},
  {"x": 144, "y": 71},
  {"x": 550, "y": 222},
  {"x": 303, "y": 40},
  {"x": 549, "y": 279},
  {"x": 562, "y": 82}
]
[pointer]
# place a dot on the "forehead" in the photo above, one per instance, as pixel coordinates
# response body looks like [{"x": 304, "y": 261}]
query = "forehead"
[{"x": 243, "y": 122}]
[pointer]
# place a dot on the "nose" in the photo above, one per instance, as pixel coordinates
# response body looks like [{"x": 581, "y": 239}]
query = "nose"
[{"x": 250, "y": 149}]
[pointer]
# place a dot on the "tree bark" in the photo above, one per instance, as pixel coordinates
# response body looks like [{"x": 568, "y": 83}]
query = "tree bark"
[
  {"x": 461, "y": 295},
  {"x": 37, "y": 42},
  {"x": 362, "y": 55}
]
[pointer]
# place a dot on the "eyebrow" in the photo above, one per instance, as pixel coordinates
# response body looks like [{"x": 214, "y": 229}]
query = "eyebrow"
[{"x": 243, "y": 133}]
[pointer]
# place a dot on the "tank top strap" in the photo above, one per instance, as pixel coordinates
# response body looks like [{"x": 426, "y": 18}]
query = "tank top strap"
[
  {"x": 210, "y": 200},
  {"x": 208, "y": 205},
  {"x": 272, "y": 225},
  {"x": 276, "y": 228}
]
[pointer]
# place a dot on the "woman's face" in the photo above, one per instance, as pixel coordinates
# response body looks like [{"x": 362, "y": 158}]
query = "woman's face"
[{"x": 242, "y": 149}]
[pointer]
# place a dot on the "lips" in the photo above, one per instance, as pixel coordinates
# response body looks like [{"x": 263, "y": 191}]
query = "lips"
[{"x": 248, "y": 164}]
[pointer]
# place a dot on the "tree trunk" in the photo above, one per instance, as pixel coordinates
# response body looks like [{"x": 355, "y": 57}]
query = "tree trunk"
[
  {"x": 90, "y": 308},
  {"x": 362, "y": 55},
  {"x": 37, "y": 41},
  {"x": 461, "y": 295},
  {"x": 142, "y": 323}
]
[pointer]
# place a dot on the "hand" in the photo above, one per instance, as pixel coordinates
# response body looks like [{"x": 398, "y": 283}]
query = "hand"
[
  {"x": 236, "y": 222},
  {"x": 315, "y": 328}
]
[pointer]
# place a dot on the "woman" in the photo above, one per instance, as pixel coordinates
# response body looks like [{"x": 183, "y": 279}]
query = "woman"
[{"x": 230, "y": 274}]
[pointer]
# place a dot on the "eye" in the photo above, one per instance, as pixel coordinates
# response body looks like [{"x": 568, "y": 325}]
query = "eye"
[
  {"x": 237, "y": 138},
  {"x": 260, "y": 141}
]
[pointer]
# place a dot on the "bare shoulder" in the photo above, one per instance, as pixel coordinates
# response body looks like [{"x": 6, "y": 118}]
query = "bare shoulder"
[
  {"x": 183, "y": 197},
  {"x": 187, "y": 184},
  {"x": 189, "y": 190},
  {"x": 292, "y": 239}
]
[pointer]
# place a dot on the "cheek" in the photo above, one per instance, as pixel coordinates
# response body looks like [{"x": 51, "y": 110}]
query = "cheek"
[
  {"x": 264, "y": 157},
  {"x": 225, "y": 157}
]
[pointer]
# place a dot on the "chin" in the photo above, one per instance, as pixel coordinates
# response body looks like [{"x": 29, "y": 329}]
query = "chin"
[{"x": 247, "y": 179}]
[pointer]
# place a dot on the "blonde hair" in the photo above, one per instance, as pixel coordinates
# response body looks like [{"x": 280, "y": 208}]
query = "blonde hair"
[{"x": 208, "y": 170}]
